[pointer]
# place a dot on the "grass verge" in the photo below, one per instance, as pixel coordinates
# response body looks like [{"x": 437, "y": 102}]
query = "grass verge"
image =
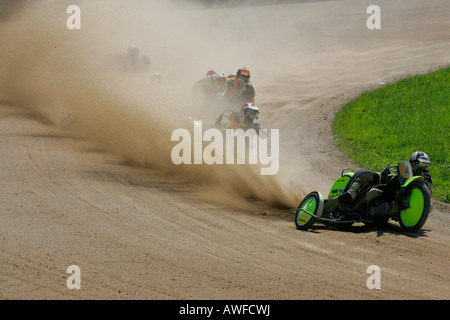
[{"x": 388, "y": 124}]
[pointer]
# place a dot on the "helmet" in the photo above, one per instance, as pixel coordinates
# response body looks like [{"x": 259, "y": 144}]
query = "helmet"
[
  {"x": 244, "y": 74},
  {"x": 250, "y": 111},
  {"x": 157, "y": 76},
  {"x": 420, "y": 160},
  {"x": 133, "y": 51},
  {"x": 210, "y": 73}
]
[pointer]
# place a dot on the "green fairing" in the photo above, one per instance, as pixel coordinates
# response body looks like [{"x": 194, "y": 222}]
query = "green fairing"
[
  {"x": 339, "y": 185},
  {"x": 415, "y": 178},
  {"x": 309, "y": 206}
]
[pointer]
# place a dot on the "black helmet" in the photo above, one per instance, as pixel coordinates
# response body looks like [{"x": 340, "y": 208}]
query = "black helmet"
[{"x": 420, "y": 160}]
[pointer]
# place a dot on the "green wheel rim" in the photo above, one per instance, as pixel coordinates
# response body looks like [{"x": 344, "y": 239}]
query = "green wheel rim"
[
  {"x": 310, "y": 206},
  {"x": 411, "y": 216}
]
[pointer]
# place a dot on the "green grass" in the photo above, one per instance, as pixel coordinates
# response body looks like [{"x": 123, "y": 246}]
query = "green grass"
[{"x": 388, "y": 124}]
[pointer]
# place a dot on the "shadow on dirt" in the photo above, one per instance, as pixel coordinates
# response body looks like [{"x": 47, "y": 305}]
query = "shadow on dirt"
[{"x": 388, "y": 228}]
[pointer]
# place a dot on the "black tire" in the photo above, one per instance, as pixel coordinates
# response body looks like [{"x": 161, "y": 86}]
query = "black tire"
[{"x": 419, "y": 197}]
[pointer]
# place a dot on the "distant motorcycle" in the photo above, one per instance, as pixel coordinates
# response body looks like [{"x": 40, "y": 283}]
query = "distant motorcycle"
[
  {"x": 409, "y": 197},
  {"x": 245, "y": 119}
]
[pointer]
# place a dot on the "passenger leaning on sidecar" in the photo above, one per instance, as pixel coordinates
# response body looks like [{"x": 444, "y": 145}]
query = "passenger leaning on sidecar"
[{"x": 420, "y": 163}]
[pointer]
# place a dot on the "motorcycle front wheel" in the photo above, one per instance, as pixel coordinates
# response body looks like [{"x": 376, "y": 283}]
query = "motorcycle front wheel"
[
  {"x": 413, "y": 218},
  {"x": 312, "y": 203}
]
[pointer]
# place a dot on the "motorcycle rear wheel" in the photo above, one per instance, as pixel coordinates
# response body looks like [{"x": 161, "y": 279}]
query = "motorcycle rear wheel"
[{"x": 414, "y": 217}]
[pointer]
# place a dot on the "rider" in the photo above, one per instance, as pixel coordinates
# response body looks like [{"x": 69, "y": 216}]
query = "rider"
[
  {"x": 420, "y": 163},
  {"x": 239, "y": 85},
  {"x": 134, "y": 61},
  {"x": 244, "y": 119},
  {"x": 208, "y": 88},
  {"x": 250, "y": 112}
]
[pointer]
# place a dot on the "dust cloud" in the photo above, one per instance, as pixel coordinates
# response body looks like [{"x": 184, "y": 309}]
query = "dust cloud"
[{"x": 73, "y": 79}]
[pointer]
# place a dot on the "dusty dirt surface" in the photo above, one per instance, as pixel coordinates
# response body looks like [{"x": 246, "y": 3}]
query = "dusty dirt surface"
[{"x": 86, "y": 175}]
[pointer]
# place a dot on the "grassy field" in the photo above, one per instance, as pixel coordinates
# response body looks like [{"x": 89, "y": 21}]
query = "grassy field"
[{"x": 388, "y": 124}]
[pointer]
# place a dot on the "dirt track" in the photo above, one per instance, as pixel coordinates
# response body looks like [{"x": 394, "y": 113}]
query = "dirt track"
[{"x": 138, "y": 232}]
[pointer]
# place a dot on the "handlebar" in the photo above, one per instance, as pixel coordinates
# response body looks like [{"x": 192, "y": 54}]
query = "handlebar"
[{"x": 389, "y": 166}]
